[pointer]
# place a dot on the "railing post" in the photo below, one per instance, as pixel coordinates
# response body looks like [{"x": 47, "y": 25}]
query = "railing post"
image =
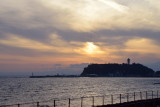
[
  {"x": 120, "y": 97},
  {"x": 141, "y": 95},
  {"x": 69, "y": 102},
  {"x": 37, "y": 104},
  {"x": 111, "y": 99},
  {"x": 157, "y": 93},
  {"x": 54, "y": 103},
  {"x": 152, "y": 94},
  {"x": 134, "y": 96},
  {"x": 18, "y": 105},
  {"x": 127, "y": 97},
  {"x": 146, "y": 95},
  {"x": 103, "y": 101},
  {"x": 81, "y": 101},
  {"x": 93, "y": 101}
]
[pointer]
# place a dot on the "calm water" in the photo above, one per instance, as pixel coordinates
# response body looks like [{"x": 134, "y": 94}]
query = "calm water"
[{"x": 16, "y": 90}]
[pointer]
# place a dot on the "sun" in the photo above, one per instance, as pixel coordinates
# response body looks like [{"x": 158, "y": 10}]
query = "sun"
[{"x": 91, "y": 48}]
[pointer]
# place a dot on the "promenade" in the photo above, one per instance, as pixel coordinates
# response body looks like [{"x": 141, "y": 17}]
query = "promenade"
[{"x": 141, "y": 103}]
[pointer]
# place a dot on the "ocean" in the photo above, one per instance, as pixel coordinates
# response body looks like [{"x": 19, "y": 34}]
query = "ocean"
[{"x": 24, "y": 90}]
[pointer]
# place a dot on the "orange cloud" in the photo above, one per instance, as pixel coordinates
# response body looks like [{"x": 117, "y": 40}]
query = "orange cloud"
[
  {"x": 21, "y": 42},
  {"x": 142, "y": 46}
]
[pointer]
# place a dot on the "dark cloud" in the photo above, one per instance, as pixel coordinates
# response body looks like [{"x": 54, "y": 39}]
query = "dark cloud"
[{"x": 130, "y": 33}]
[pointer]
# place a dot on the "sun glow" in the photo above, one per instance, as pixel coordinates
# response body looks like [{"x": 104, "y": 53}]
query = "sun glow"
[{"x": 91, "y": 48}]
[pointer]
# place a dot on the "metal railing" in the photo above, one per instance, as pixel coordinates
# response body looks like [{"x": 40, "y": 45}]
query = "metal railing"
[{"x": 91, "y": 101}]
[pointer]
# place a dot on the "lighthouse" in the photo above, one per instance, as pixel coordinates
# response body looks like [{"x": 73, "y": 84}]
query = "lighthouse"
[{"x": 128, "y": 61}]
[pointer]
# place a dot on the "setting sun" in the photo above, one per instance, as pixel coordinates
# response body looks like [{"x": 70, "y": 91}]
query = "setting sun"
[{"x": 91, "y": 48}]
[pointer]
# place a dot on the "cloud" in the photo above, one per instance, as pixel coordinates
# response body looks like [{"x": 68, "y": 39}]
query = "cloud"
[
  {"x": 17, "y": 41},
  {"x": 21, "y": 42},
  {"x": 55, "y": 46},
  {"x": 116, "y": 6},
  {"x": 122, "y": 15},
  {"x": 142, "y": 46},
  {"x": 22, "y": 14},
  {"x": 78, "y": 31},
  {"x": 56, "y": 40},
  {"x": 82, "y": 16}
]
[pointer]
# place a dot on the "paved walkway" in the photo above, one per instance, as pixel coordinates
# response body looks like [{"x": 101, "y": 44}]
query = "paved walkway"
[{"x": 141, "y": 103}]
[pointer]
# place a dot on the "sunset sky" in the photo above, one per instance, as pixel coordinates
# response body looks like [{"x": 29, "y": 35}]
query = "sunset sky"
[{"x": 63, "y": 36}]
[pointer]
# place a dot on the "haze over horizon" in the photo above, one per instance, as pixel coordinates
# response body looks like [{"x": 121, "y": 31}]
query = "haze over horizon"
[{"x": 63, "y": 36}]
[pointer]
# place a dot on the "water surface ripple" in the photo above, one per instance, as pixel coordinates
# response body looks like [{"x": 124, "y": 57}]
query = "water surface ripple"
[{"x": 17, "y": 90}]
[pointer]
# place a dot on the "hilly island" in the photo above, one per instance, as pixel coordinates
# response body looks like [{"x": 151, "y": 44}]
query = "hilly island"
[
  {"x": 112, "y": 70},
  {"x": 118, "y": 70}
]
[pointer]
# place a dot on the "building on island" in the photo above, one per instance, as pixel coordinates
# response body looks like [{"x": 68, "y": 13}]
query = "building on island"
[{"x": 128, "y": 61}]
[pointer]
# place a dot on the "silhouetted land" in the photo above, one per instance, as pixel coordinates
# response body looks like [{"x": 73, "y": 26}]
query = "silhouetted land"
[
  {"x": 117, "y": 70},
  {"x": 51, "y": 76},
  {"x": 157, "y": 74},
  {"x": 112, "y": 70}
]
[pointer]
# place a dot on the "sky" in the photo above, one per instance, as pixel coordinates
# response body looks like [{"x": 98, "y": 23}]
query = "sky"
[{"x": 64, "y": 36}]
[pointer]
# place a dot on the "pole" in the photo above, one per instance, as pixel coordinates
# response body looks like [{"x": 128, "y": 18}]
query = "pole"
[
  {"x": 141, "y": 95},
  {"x": 103, "y": 101},
  {"x": 111, "y": 99},
  {"x": 127, "y": 97},
  {"x": 146, "y": 95},
  {"x": 134, "y": 96},
  {"x": 93, "y": 101},
  {"x": 37, "y": 104},
  {"x": 120, "y": 97},
  {"x": 69, "y": 102},
  {"x": 18, "y": 105},
  {"x": 81, "y": 101},
  {"x": 54, "y": 103}
]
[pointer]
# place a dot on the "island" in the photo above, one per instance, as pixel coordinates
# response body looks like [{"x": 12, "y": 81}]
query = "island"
[
  {"x": 117, "y": 70},
  {"x": 112, "y": 70}
]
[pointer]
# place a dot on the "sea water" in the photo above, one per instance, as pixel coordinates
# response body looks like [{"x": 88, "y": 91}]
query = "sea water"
[{"x": 22, "y": 90}]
